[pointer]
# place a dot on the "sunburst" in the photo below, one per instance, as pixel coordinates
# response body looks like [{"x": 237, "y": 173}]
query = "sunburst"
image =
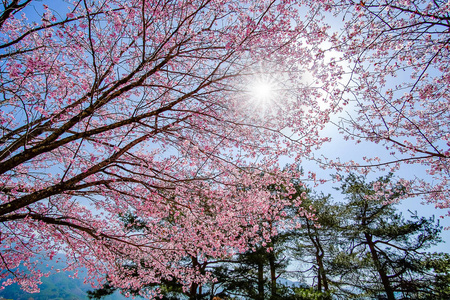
[{"x": 262, "y": 91}]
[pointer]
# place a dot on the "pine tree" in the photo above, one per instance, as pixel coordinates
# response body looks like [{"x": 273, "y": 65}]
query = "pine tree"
[{"x": 387, "y": 249}]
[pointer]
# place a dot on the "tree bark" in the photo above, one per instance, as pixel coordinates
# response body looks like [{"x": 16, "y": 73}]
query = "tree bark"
[
  {"x": 383, "y": 276},
  {"x": 273, "y": 275},
  {"x": 321, "y": 275},
  {"x": 260, "y": 281},
  {"x": 194, "y": 285}
]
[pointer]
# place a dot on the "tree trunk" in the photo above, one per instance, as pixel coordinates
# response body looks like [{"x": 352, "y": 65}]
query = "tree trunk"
[
  {"x": 273, "y": 276},
  {"x": 193, "y": 291},
  {"x": 194, "y": 285},
  {"x": 383, "y": 276},
  {"x": 321, "y": 275},
  {"x": 260, "y": 281}
]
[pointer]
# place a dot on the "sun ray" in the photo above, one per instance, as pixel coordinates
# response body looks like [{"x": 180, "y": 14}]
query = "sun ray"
[{"x": 262, "y": 91}]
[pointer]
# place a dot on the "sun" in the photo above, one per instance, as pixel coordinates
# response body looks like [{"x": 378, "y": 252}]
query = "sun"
[
  {"x": 262, "y": 88},
  {"x": 262, "y": 91}
]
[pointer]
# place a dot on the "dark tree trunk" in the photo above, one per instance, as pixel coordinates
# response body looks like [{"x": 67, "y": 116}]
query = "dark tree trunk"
[
  {"x": 260, "y": 281},
  {"x": 321, "y": 275},
  {"x": 273, "y": 275},
  {"x": 383, "y": 276},
  {"x": 194, "y": 286},
  {"x": 193, "y": 291}
]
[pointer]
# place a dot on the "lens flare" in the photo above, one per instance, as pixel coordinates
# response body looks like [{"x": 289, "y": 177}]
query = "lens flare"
[{"x": 262, "y": 91}]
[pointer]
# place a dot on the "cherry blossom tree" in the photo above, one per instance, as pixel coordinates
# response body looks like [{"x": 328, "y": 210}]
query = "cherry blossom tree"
[
  {"x": 399, "y": 73},
  {"x": 114, "y": 108}
]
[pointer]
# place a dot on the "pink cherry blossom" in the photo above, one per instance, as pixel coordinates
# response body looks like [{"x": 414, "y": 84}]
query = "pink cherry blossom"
[{"x": 128, "y": 136}]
